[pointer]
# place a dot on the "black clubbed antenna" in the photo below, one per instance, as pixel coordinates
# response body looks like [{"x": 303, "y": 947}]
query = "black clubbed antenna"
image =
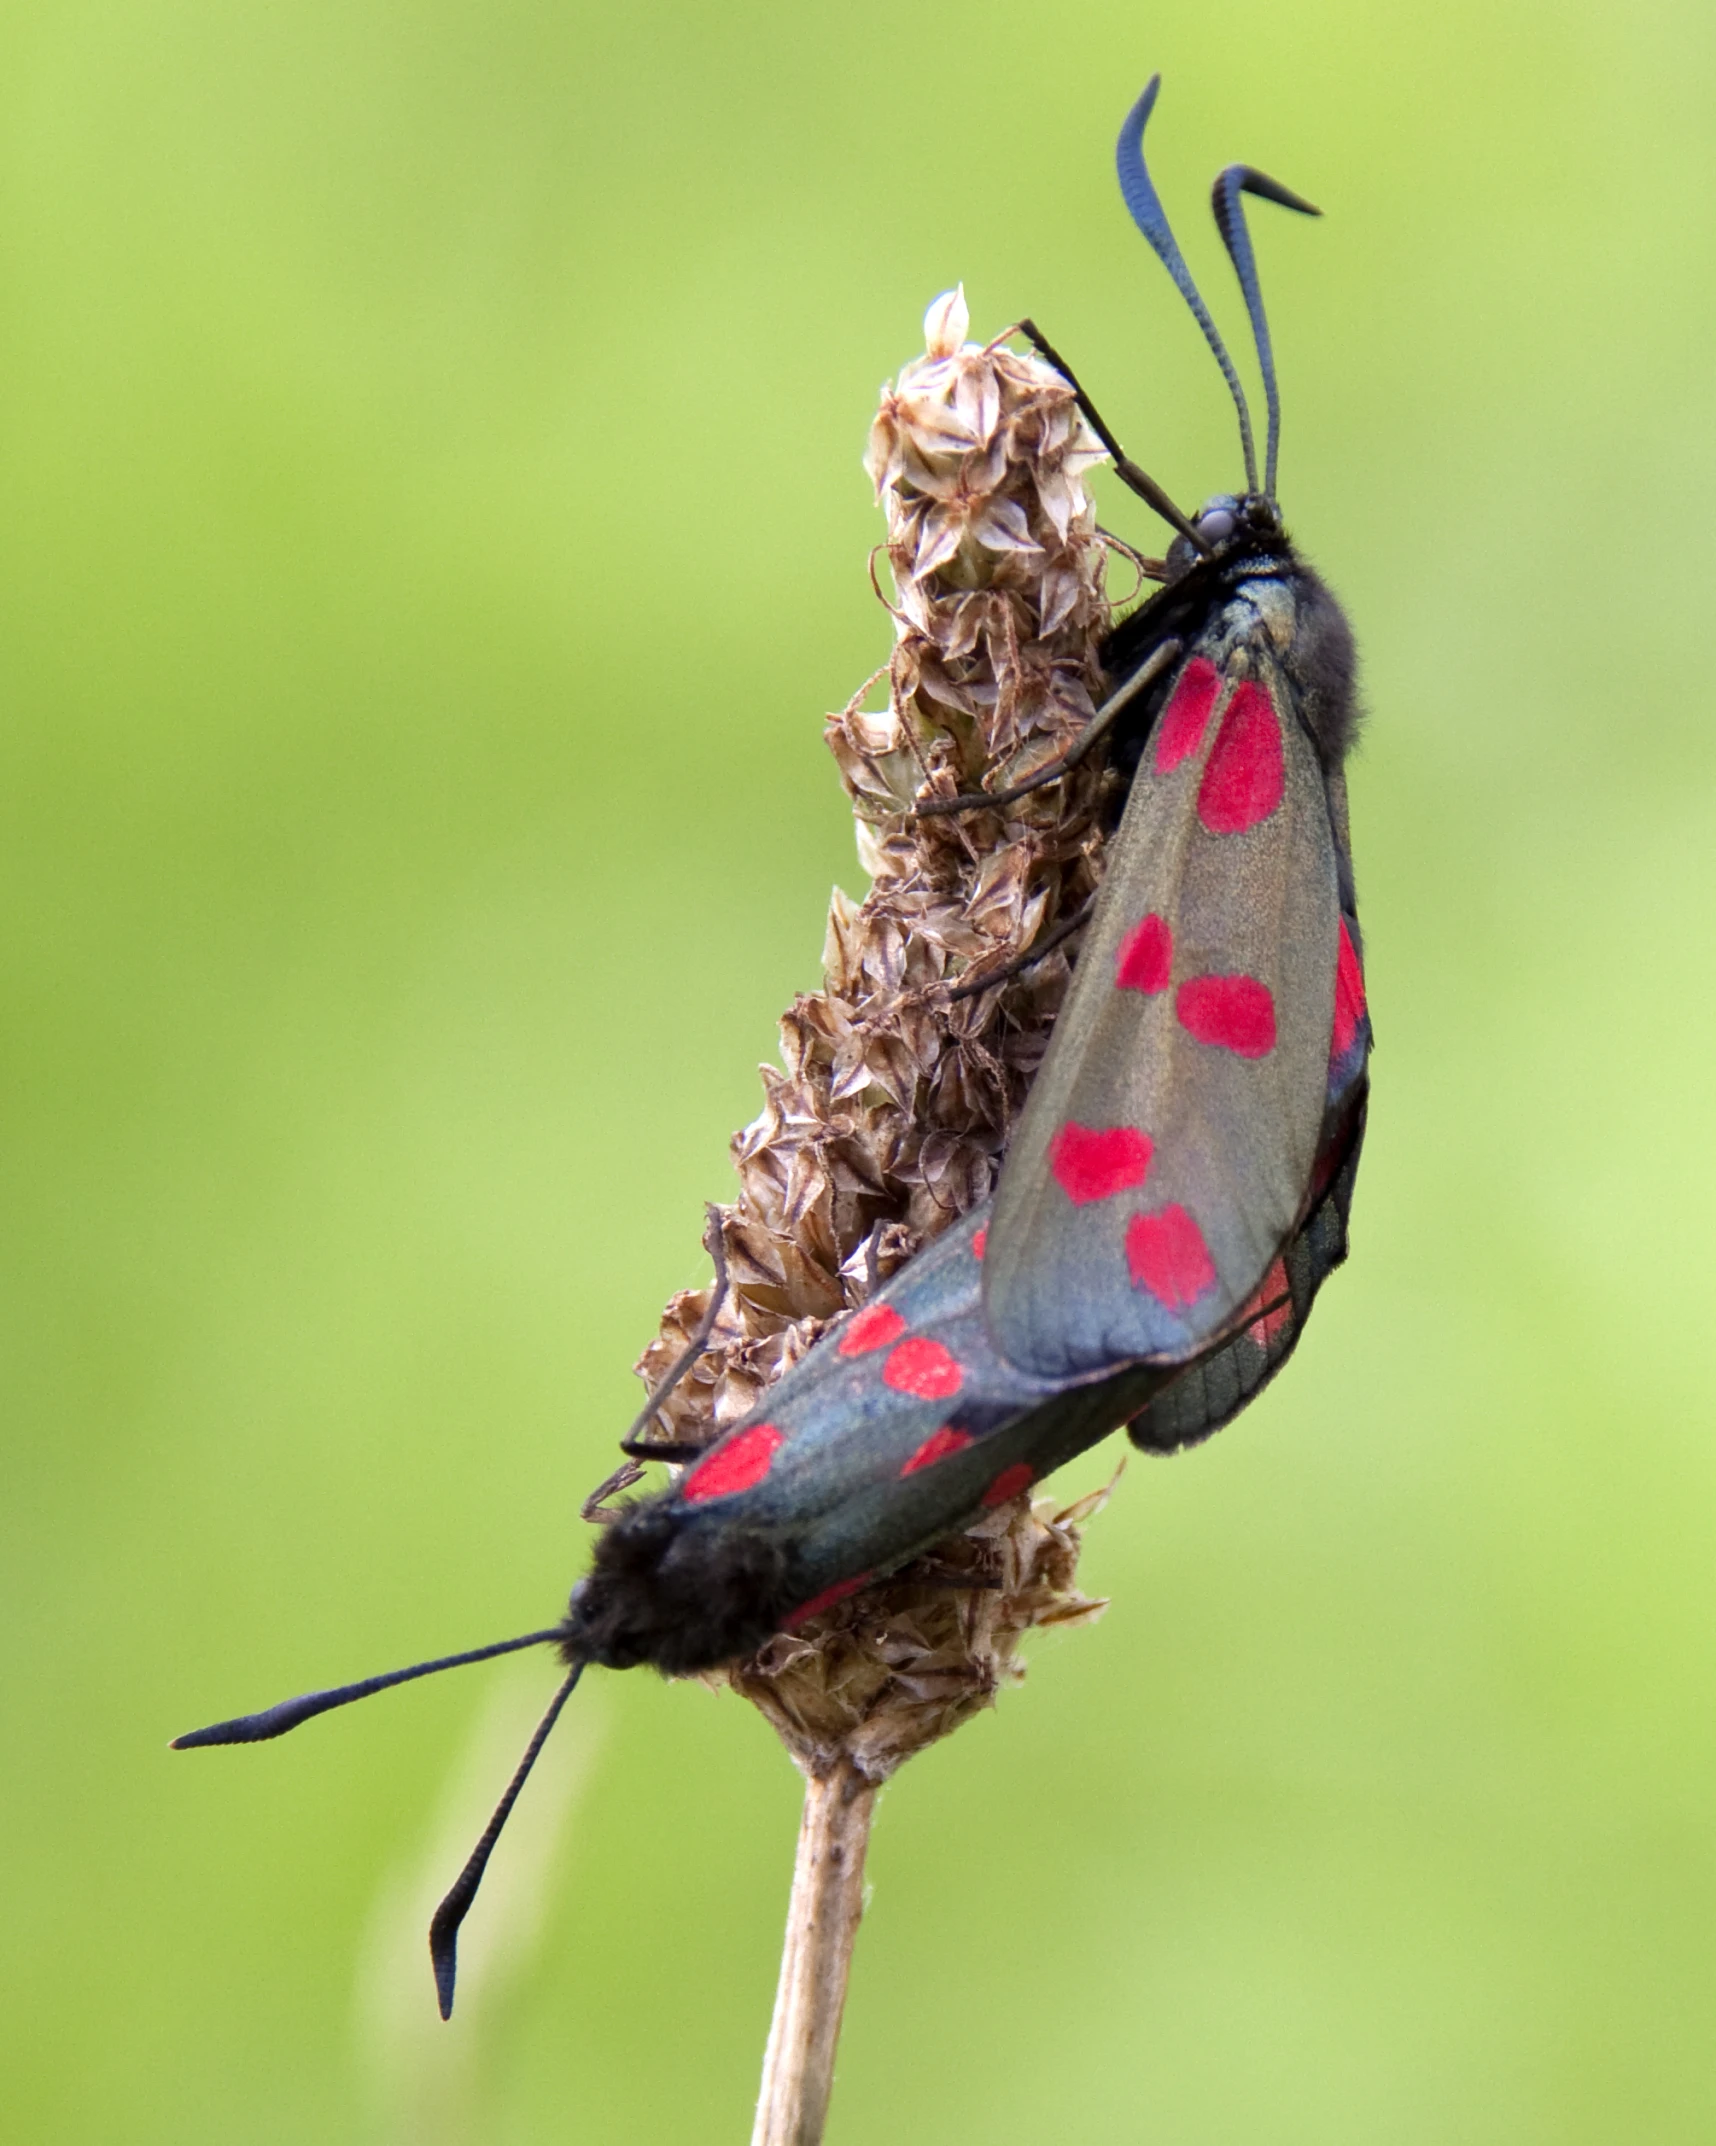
[
  {"x": 1230, "y": 221},
  {"x": 444, "y": 1927},
  {"x": 1151, "y": 218},
  {"x": 276, "y": 1720}
]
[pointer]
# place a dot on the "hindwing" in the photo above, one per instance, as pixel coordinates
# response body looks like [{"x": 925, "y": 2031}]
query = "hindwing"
[
  {"x": 1213, "y": 1388},
  {"x": 1167, "y": 1150}
]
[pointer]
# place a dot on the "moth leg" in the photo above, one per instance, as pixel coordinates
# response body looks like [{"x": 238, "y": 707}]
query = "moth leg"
[
  {"x": 928, "y": 1573},
  {"x": 596, "y": 1508},
  {"x": 1130, "y": 475},
  {"x": 670, "y": 1449},
  {"x": 634, "y": 1445},
  {"x": 1029, "y": 958},
  {"x": 1158, "y": 660}
]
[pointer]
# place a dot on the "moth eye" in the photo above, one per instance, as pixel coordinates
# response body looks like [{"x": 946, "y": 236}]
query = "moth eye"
[{"x": 1214, "y": 528}]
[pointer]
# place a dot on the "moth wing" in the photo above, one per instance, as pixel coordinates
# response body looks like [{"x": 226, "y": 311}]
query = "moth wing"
[
  {"x": 896, "y": 1429},
  {"x": 1167, "y": 1149},
  {"x": 1213, "y": 1388}
]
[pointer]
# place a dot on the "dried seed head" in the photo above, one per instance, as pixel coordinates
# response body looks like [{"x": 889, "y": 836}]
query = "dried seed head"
[
  {"x": 898, "y": 1667},
  {"x": 894, "y": 1103}
]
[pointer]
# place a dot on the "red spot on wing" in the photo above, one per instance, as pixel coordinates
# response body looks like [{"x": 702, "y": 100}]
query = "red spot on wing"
[
  {"x": 1146, "y": 956},
  {"x": 736, "y": 1464},
  {"x": 826, "y": 1600},
  {"x": 979, "y": 1243},
  {"x": 1349, "y": 995},
  {"x": 1246, "y": 774},
  {"x": 937, "y": 1446},
  {"x": 1010, "y": 1482},
  {"x": 1181, "y": 730},
  {"x": 873, "y": 1328},
  {"x": 923, "y": 1368},
  {"x": 1167, "y": 1255},
  {"x": 1233, "y": 1013},
  {"x": 1272, "y": 1307},
  {"x": 1094, "y": 1162}
]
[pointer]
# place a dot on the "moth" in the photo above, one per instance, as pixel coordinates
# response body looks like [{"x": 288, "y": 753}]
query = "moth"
[{"x": 1181, "y": 1178}]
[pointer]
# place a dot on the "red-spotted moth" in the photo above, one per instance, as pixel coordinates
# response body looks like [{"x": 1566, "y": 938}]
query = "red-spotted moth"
[{"x": 1180, "y": 1181}]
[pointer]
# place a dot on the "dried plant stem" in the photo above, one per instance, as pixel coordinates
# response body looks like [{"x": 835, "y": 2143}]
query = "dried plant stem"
[{"x": 822, "y": 1922}]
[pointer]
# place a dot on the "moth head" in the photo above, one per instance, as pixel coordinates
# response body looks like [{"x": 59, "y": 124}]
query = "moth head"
[
  {"x": 1218, "y": 518},
  {"x": 1222, "y": 523}
]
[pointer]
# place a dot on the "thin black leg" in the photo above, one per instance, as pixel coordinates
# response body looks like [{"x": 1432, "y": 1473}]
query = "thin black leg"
[
  {"x": 1130, "y": 475},
  {"x": 1029, "y": 958},
  {"x": 1158, "y": 660}
]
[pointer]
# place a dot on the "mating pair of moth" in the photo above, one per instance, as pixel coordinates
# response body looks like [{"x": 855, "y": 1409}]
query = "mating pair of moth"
[{"x": 1177, "y": 1187}]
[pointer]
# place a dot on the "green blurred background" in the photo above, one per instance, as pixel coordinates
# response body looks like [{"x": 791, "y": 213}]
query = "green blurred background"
[{"x": 431, "y": 531}]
